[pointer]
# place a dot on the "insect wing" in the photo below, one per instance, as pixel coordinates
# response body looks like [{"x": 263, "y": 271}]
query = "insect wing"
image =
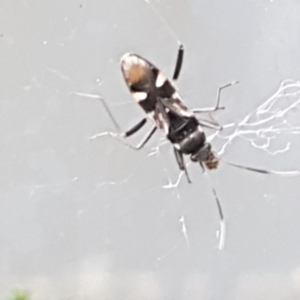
[
  {"x": 177, "y": 106},
  {"x": 154, "y": 92},
  {"x": 170, "y": 111},
  {"x": 160, "y": 116}
]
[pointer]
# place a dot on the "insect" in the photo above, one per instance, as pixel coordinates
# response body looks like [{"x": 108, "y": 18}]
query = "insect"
[
  {"x": 163, "y": 105},
  {"x": 158, "y": 97}
]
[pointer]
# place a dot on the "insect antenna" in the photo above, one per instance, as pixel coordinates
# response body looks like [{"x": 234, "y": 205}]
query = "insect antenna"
[
  {"x": 263, "y": 171},
  {"x": 222, "y": 231}
]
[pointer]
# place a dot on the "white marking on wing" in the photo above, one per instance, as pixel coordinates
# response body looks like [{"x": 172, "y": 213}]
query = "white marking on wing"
[
  {"x": 139, "y": 96},
  {"x": 180, "y": 106},
  {"x": 200, "y": 128},
  {"x": 177, "y": 146},
  {"x": 160, "y": 80}
]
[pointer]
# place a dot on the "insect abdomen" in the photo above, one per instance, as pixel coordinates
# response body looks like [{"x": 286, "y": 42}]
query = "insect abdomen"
[{"x": 185, "y": 132}]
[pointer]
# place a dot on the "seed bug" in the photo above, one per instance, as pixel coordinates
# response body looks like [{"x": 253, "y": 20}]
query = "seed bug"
[{"x": 164, "y": 107}]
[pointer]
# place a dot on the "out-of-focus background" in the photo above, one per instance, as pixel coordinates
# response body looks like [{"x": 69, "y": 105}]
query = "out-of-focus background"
[{"x": 82, "y": 219}]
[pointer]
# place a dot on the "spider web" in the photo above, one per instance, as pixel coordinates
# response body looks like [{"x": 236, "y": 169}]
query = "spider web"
[
  {"x": 268, "y": 128},
  {"x": 68, "y": 232},
  {"x": 273, "y": 120}
]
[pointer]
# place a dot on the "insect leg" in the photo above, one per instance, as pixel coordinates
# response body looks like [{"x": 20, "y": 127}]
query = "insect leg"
[
  {"x": 210, "y": 124},
  {"x": 129, "y": 132},
  {"x": 135, "y": 128},
  {"x": 217, "y": 105},
  {"x": 181, "y": 164},
  {"x": 262, "y": 171},
  {"x": 219, "y": 93},
  {"x": 206, "y": 110},
  {"x": 178, "y": 62},
  {"x": 146, "y": 138},
  {"x": 222, "y": 222},
  {"x": 121, "y": 135}
]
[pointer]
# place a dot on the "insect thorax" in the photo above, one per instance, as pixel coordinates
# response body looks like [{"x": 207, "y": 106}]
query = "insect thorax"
[{"x": 186, "y": 134}]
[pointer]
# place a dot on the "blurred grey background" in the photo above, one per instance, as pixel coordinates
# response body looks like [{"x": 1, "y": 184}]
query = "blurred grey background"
[{"x": 83, "y": 219}]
